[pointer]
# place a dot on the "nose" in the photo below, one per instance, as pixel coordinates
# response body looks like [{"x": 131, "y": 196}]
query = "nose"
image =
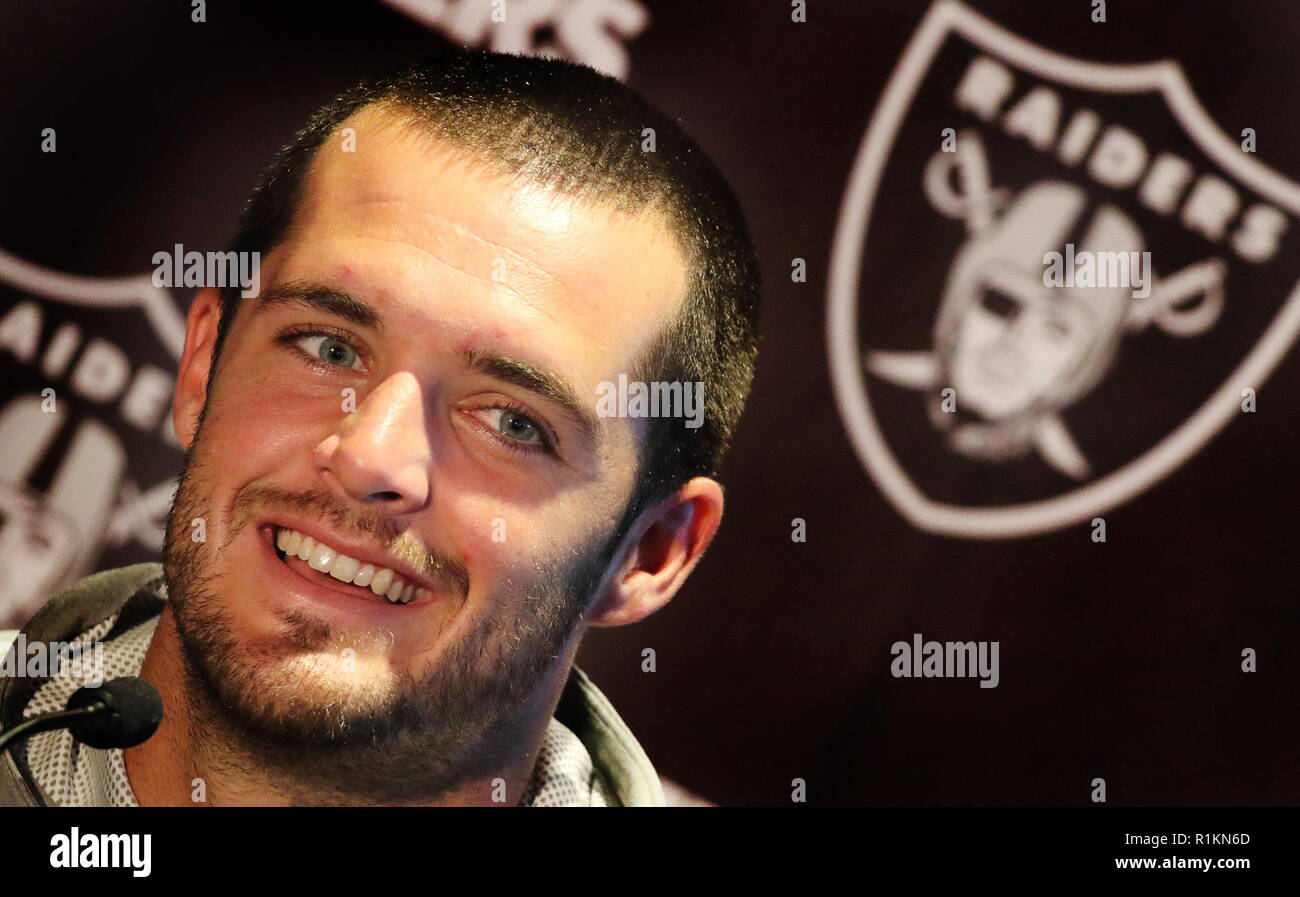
[
  {"x": 1002, "y": 361},
  {"x": 379, "y": 455}
]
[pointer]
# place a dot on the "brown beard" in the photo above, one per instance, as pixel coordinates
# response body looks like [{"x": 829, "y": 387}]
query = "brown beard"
[{"x": 423, "y": 738}]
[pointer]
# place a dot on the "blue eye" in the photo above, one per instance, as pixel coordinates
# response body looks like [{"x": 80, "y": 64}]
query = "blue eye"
[
  {"x": 516, "y": 430},
  {"x": 327, "y": 348},
  {"x": 518, "y": 426}
]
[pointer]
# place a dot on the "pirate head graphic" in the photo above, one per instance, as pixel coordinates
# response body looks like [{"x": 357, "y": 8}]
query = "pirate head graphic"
[
  {"x": 1038, "y": 307},
  {"x": 1013, "y": 350},
  {"x": 88, "y": 365}
]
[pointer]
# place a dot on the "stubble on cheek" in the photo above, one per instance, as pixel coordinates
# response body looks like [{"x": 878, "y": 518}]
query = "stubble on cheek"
[
  {"x": 279, "y": 665},
  {"x": 305, "y": 633}
]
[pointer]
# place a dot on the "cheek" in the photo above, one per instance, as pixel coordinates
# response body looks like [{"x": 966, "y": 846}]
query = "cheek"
[
  {"x": 260, "y": 419},
  {"x": 500, "y": 542},
  {"x": 267, "y": 401},
  {"x": 491, "y": 537}
]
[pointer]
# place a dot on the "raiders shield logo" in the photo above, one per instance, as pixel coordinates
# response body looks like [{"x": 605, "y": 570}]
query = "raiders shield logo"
[
  {"x": 1052, "y": 281},
  {"x": 87, "y": 367}
]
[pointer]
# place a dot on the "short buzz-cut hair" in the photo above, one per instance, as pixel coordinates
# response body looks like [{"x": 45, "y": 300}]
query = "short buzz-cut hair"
[{"x": 566, "y": 126}]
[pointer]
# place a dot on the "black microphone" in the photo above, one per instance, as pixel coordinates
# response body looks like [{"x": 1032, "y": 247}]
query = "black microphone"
[{"x": 118, "y": 714}]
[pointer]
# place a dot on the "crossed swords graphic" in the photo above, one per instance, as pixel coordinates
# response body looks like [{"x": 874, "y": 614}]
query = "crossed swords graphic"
[{"x": 1184, "y": 304}]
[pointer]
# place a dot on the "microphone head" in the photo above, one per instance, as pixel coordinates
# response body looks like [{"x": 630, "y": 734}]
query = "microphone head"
[{"x": 131, "y": 711}]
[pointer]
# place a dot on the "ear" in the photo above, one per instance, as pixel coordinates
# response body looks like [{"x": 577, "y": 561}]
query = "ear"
[
  {"x": 659, "y": 553},
  {"x": 192, "y": 379}
]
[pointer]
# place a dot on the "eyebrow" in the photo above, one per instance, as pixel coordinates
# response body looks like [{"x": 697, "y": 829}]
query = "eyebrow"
[
  {"x": 547, "y": 384},
  {"x": 320, "y": 298}
]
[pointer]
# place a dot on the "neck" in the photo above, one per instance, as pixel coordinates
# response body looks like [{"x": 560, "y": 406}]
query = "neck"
[{"x": 194, "y": 760}]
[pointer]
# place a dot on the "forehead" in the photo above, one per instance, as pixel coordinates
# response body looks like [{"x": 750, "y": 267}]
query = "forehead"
[{"x": 419, "y": 226}]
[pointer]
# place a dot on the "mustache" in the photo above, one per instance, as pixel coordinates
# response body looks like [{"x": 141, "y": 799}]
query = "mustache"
[{"x": 383, "y": 532}]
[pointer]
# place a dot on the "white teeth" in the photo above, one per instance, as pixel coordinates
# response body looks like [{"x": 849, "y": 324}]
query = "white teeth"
[
  {"x": 345, "y": 568},
  {"x": 383, "y": 579},
  {"x": 289, "y": 541},
  {"x": 322, "y": 557},
  {"x": 364, "y": 575},
  {"x": 319, "y": 556}
]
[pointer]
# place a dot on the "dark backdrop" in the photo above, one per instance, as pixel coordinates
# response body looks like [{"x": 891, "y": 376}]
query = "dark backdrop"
[{"x": 1119, "y": 659}]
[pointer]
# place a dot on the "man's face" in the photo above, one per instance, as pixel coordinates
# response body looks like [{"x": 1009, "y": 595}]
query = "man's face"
[
  {"x": 452, "y": 466},
  {"x": 1016, "y": 341}
]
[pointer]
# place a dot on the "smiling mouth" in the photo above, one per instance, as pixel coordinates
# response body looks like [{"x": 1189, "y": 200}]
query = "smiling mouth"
[{"x": 325, "y": 566}]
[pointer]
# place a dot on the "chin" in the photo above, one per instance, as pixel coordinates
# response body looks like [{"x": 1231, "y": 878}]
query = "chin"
[{"x": 321, "y": 684}]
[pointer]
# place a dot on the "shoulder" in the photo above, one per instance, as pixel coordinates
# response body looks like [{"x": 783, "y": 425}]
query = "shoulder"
[
  {"x": 90, "y": 600},
  {"x": 614, "y": 750}
]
